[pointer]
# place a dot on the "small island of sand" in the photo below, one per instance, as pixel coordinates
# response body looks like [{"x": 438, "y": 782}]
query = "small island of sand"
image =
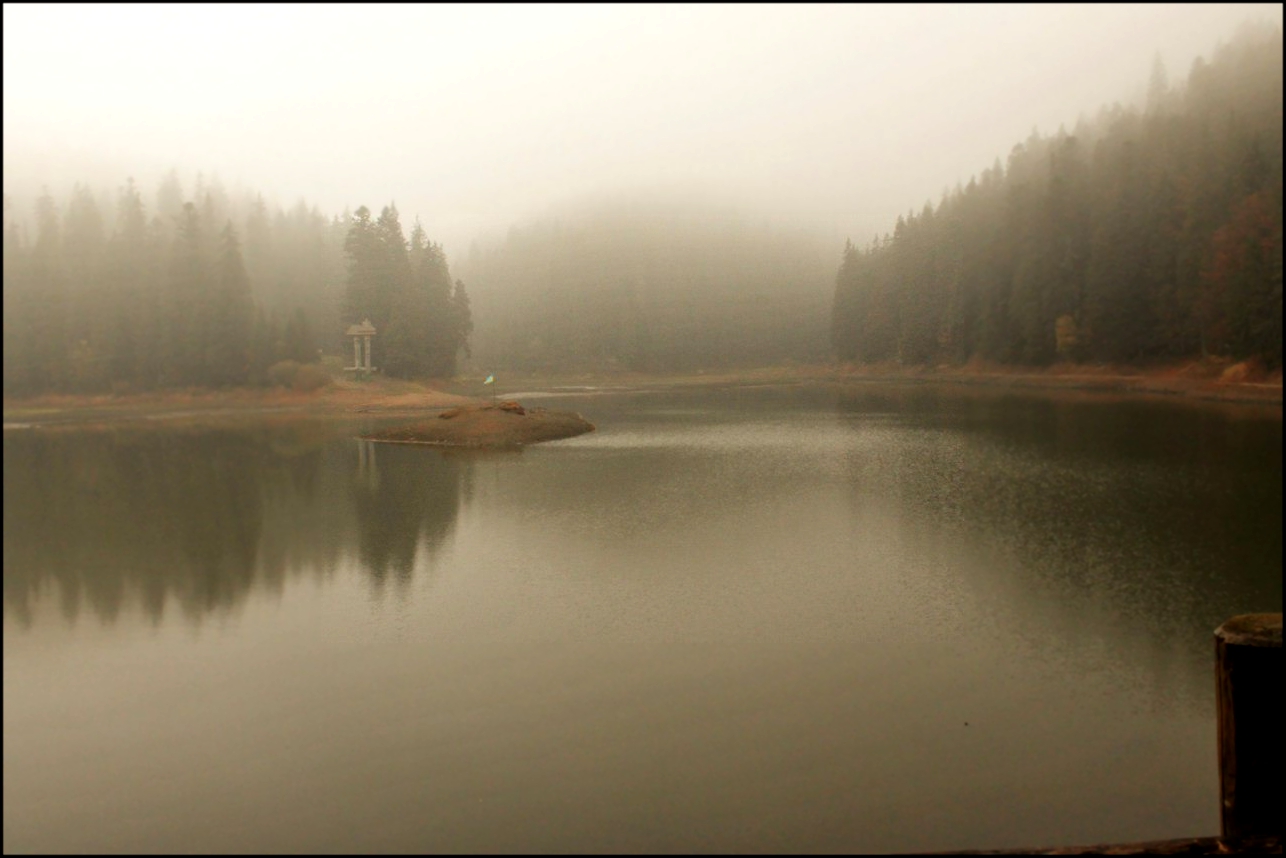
[{"x": 499, "y": 424}]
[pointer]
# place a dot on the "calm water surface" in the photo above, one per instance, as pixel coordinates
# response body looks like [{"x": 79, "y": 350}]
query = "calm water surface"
[{"x": 799, "y": 619}]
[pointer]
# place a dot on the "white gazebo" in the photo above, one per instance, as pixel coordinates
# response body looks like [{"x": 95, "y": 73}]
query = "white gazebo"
[{"x": 361, "y": 334}]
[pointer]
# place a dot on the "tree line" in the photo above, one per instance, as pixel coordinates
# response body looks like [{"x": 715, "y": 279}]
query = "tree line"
[
  {"x": 1150, "y": 233},
  {"x": 212, "y": 290},
  {"x": 405, "y": 289}
]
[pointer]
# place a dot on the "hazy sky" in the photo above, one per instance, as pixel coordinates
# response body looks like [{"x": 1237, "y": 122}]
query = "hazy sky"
[{"x": 474, "y": 116}]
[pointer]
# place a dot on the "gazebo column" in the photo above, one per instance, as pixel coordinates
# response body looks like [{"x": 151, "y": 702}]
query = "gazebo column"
[{"x": 361, "y": 334}]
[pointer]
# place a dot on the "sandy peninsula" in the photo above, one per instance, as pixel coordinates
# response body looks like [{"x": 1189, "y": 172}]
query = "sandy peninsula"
[{"x": 498, "y": 424}]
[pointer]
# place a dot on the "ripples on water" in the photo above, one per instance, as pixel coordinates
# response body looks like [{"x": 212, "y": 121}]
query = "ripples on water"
[{"x": 733, "y": 620}]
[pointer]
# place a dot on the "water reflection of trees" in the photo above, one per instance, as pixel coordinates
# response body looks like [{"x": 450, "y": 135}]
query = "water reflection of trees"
[
  {"x": 404, "y": 496},
  {"x": 202, "y": 517}
]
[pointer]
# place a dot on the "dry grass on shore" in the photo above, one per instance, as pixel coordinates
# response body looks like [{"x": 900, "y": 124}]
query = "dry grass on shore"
[{"x": 1211, "y": 379}]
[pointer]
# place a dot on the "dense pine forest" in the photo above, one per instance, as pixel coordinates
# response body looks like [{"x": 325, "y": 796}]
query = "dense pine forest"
[
  {"x": 405, "y": 289},
  {"x": 1146, "y": 234},
  {"x": 214, "y": 291}
]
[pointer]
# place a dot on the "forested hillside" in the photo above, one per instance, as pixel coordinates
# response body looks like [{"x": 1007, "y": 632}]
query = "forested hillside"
[
  {"x": 1145, "y": 234},
  {"x": 649, "y": 286},
  {"x": 211, "y": 290}
]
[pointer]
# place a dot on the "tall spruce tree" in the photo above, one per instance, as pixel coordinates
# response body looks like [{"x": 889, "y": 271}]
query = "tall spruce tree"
[
  {"x": 231, "y": 317},
  {"x": 44, "y": 342},
  {"x": 88, "y": 331}
]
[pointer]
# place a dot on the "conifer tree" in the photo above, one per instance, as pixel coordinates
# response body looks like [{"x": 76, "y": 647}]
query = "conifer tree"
[
  {"x": 87, "y": 302},
  {"x": 44, "y": 342},
  {"x": 462, "y": 317},
  {"x": 228, "y": 334},
  {"x": 184, "y": 304}
]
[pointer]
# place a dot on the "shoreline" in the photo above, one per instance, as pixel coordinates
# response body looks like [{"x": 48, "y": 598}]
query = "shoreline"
[
  {"x": 1167, "y": 383},
  {"x": 1188, "y": 382},
  {"x": 342, "y": 399},
  {"x": 391, "y": 398}
]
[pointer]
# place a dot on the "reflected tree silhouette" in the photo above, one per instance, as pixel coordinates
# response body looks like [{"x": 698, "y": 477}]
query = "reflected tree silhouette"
[
  {"x": 404, "y": 496},
  {"x": 202, "y": 517}
]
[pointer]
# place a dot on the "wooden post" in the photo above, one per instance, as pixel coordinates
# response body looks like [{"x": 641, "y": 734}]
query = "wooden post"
[{"x": 1248, "y": 677}]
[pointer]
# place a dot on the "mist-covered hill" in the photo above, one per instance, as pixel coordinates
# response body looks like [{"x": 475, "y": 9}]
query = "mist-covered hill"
[{"x": 649, "y": 285}]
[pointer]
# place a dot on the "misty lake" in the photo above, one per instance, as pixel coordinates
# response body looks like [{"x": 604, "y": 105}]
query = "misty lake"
[{"x": 745, "y": 619}]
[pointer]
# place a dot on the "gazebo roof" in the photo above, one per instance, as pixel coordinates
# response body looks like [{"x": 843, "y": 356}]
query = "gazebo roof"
[{"x": 362, "y": 330}]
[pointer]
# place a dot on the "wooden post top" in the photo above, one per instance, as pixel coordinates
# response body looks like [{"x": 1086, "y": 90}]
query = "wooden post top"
[{"x": 1252, "y": 630}]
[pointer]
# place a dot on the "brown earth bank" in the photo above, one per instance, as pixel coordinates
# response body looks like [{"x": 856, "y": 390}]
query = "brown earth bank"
[
  {"x": 1213, "y": 379},
  {"x": 1210, "y": 380},
  {"x": 378, "y": 396},
  {"x": 499, "y": 424}
]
